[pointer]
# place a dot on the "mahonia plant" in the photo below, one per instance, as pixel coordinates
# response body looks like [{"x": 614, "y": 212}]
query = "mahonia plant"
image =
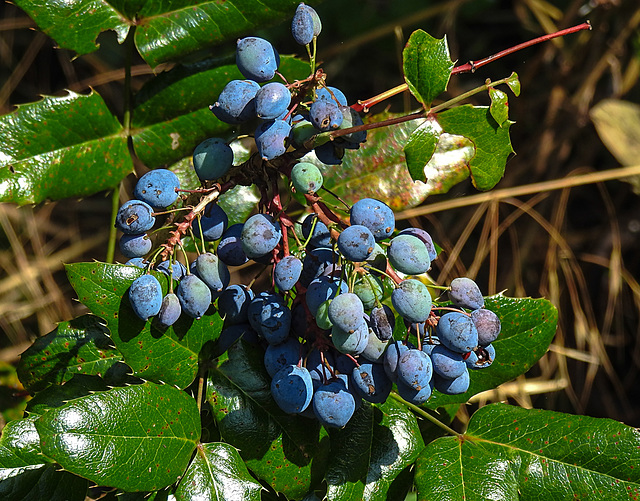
[{"x": 338, "y": 372}]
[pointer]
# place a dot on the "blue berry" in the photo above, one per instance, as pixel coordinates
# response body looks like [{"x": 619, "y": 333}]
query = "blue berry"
[
  {"x": 135, "y": 217},
  {"x": 260, "y": 235},
  {"x": 375, "y": 215},
  {"x": 212, "y": 224},
  {"x": 194, "y": 296},
  {"x": 257, "y": 59},
  {"x": 233, "y": 304},
  {"x": 325, "y": 115},
  {"x": 305, "y": 24},
  {"x": 412, "y": 301},
  {"x": 425, "y": 237},
  {"x": 157, "y": 188},
  {"x": 457, "y": 332},
  {"x": 271, "y": 138},
  {"x": 408, "y": 255},
  {"x": 236, "y": 103},
  {"x": 292, "y": 389},
  {"x": 371, "y": 382},
  {"x": 465, "y": 292},
  {"x": 325, "y": 93},
  {"x": 145, "y": 296},
  {"x": 447, "y": 363},
  {"x": 320, "y": 236},
  {"x": 356, "y": 243},
  {"x": 487, "y": 324},
  {"x": 333, "y": 404},
  {"x": 212, "y": 272},
  {"x": 230, "y": 247},
  {"x": 212, "y": 159},
  {"x": 170, "y": 310},
  {"x": 135, "y": 245},
  {"x": 287, "y": 272},
  {"x": 272, "y": 100}
]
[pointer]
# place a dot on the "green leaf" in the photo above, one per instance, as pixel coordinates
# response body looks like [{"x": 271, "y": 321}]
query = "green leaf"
[
  {"x": 513, "y": 453},
  {"x": 514, "y": 84},
  {"x": 165, "y": 31},
  {"x": 172, "y": 115},
  {"x": 75, "y": 25},
  {"x": 24, "y": 471},
  {"x": 449, "y": 165},
  {"x": 217, "y": 473},
  {"x": 42, "y": 482},
  {"x": 420, "y": 148},
  {"x": 59, "y": 147},
  {"x": 97, "y": 436},
  {"x": 178, "y": 27},
  {"x": 20, "y": 445},
  {"x": 427, "y": 66},
  {"x": 491, "y": 141},
  {"x": 168, "y": 355},
  {"x": 377, "y": 444},
  {"x": 499, "y": 107},
  {"x": 376, "y": 170},
  {"x": 56, "y": 395},
  {"x": 80, "y": 346},
  {"x": 528, "y": 326},
  {"x": 287, "y": 452}
]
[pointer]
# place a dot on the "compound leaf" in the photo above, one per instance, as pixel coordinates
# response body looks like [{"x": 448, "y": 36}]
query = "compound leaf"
[
  {"x": 172, "y": 115},
  {"x": 97, "y": 436},
  {"x": 287, "y": 452},
  {"x": 427, "y": 66},
  {"x": 217, "y": 473},
  {"x": 79, "y": 346},
  {"x": 59, "y": 147},
  {"x": 491, "y": 141},
  {"x": 528, "y": 326},
  {"x": 377, "y": 444},
  {"x": 513, "y": 453},
  {"x": 168, "y": 355}
]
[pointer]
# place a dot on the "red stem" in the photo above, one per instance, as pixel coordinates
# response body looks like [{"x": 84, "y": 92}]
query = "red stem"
[{"x": 472, "y": 66}]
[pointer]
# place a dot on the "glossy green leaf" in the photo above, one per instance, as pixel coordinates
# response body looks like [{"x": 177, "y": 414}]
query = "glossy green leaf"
[
  {"x": 287, "y": 452},
  {"x": 178, "y": 27},
  {"x": 59, "y": 147},
  {"x": 172, "y": 115},
  {"x": 41, "y": 482},
  {"x": 76, "y": 24},
  {"x": 427, "y": 66},
  {"x": 97, "y": 436},
  {"x": 56, "y": 395},
  {"x": 165, "y": 31},
  {"x": 377, "y": 444},
  {"x": 499, "y": 107},
  {"x": 217, "y": 473},
  {"x": 513, "y": 453},
  {"x": 421, "y": 147},
  {"x": 80, "y": 346},
  {"x": 491, "y": 141},
  {"x": 168, "y": 355},
  {"x": 20, "y": 445},
  {"x": 528, "y": 326},
  {"x": 514, "y": 84}
]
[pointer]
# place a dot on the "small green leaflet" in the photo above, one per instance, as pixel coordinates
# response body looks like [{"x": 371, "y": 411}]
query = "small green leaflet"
[
  {"x": 427, "y": 66},
  {"x": 491, "y": 141}
]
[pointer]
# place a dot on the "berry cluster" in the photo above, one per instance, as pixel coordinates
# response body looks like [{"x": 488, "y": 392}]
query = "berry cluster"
[{"x": 337, "y": 321}]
